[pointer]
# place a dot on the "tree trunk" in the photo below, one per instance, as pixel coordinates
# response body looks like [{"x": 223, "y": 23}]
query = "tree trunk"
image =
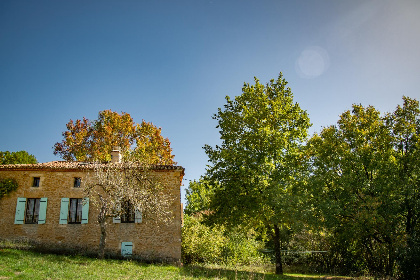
[
  {"x": 276, "y": 239},
  {"x": 102, "y": 224},
  {"x": 102, "y": 241}
]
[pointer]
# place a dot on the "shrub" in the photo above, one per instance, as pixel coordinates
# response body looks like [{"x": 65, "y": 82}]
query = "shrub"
[
  {"x": 217, "y": 245},
  {"x": 243, "y": 248},
  {"x": 201, "y": 243}
]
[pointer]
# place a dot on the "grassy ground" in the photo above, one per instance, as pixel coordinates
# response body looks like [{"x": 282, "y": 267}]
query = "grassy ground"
[{"x": 24, "y": 264}]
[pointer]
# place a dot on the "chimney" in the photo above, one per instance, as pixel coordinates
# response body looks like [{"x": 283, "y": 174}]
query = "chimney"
[{"x": 115, "y": 155}]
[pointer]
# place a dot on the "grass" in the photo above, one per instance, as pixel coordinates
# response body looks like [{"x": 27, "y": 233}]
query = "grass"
[{"x": 26, "y": 264}]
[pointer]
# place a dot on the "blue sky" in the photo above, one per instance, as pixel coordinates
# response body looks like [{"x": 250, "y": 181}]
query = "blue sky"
[{"x": 173, "y": 62}]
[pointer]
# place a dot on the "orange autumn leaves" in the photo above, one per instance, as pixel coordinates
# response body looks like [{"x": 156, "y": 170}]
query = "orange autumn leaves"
[{"x": 89, "y": 141}]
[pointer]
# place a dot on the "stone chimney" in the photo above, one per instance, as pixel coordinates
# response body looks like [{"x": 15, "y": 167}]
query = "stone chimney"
[{"x": 115, "y": 155}]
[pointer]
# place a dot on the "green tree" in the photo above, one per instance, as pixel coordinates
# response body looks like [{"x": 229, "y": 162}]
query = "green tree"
[
  {"x": 20, "y": 157},
  {"x": 365, "y": 184},
  {"x": 89, "y": 141},
  {"x": 259, "y": 167},
  {"x": 348, "y": 185},
  {"x": 199, "y": 195},
  {"x": 404, "y": 126}
]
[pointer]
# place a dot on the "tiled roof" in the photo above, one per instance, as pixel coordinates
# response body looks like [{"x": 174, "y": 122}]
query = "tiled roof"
[{"x": 74, "y": 165}]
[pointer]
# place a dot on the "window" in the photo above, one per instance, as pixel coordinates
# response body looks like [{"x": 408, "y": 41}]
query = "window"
[
  {"x": 75, "y": 211},
  {"x": 36, "y": 182},
  {"x": 127, "y": 215},
  {"x": 77, "y": 182},
  {"x": 32, "y": 210}
]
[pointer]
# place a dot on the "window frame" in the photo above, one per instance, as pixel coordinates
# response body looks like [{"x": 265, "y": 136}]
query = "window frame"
[
  {"x": 75, "y": 216},
  {"x": 128, "y": 213},
  {"x": 77, "y": 182},
  {"x": 32, "y": 215},
  {"x": 36, "y": 182}
]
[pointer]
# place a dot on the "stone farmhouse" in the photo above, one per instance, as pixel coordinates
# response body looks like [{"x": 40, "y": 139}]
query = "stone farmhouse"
[{"x": 49, "y": 209}]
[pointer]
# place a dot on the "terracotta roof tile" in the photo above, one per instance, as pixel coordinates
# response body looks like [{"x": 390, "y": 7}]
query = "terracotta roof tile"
[{"x": 72, "y": 165}]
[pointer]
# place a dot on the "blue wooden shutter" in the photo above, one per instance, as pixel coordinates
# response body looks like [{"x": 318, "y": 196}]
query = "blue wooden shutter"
[
  {"x": 138, "y": 218},
  {"x": 126, "y": 249},
  {"x": 42, "y": 210},
  {"x": 64, "y": 210},
  {"x": 85, "y": 210},
  {"x": 20, "y": 211}
]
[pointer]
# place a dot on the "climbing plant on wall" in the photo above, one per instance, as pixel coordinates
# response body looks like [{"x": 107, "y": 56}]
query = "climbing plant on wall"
[{"x": 7, "y": 186}]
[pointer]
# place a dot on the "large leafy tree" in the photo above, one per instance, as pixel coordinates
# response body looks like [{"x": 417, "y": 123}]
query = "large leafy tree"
[
  {"x": 20, "y": 157},
  {"x": 365, "y": 184},
  {"x": 404, "y": 126},
  {"x": 349, "y": 189},
  {"x": 257, "y": 170},
  {"x": 89, "y": 141}
]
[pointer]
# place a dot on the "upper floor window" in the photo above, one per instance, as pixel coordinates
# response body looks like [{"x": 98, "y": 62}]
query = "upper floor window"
[
  {"x": 36, "y": 182},
  {"x": 77, "y": 182},
  {"x": 32, "y": 210}
]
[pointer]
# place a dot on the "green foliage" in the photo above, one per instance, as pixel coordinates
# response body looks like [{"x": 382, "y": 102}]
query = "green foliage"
[
  {"x": 217, "y": 245},
  {"x": 7, "y": 186},
  {"x": 409, "y": 259},
  {"x": 20, "y": 157},
  {"x": 365, "y": 186},
  {"x": 199, "y": 195},
  {"x": 201, "y": 243},
  {"x": 242, "y": 247},
  {"x": 258, "y": 171}
]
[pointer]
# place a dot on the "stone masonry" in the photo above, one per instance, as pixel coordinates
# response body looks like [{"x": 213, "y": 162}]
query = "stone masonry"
[{"x": 147, "y": 240}]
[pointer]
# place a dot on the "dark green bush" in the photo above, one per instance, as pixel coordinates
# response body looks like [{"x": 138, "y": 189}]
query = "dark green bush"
[{"x": 409, "y": 259}]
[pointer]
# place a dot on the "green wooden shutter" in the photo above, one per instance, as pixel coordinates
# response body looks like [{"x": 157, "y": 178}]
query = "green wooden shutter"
[
  {"x": 126, "y": 249},
  {"x": 85, "y": 210},
  {"x": 20, "y": 211},
  {"x": 64, "y": 210},
  {"x": 138, "y": 218},
  {"x": 42, "y": 210}
]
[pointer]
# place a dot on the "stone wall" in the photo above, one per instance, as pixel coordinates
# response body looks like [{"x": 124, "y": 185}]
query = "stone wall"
[{"x": 150, "y": 241}]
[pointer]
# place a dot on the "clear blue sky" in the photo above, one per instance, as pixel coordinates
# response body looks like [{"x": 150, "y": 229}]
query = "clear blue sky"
[{"x": 173, "y": 62}]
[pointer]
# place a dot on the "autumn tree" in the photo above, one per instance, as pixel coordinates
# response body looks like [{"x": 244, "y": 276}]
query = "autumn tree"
[
  {"x": 116, "y": 188},
  {"x": 20, "y": 157},
  {"x": 258, "y": 168},
  {"x": 129, "y": 188},
  {"x": 90, "y": 141}
]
